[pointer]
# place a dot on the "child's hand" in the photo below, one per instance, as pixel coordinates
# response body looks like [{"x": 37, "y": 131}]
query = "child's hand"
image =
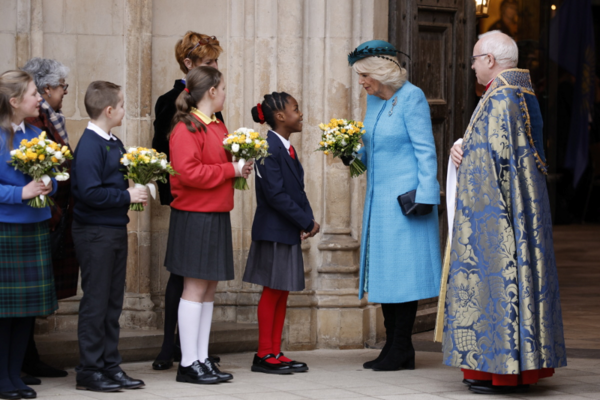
[
  {"x": 247, "y": 168},
  {"x": 305, "y": 235},
  {"x": 138, "y": 195},
  {"x": 35, "y": 188}
]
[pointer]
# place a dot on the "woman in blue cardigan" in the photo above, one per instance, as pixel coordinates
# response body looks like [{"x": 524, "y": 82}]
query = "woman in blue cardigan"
[
  {"x": 26, "y": 261},
  {"x": 400, "y": 254}
]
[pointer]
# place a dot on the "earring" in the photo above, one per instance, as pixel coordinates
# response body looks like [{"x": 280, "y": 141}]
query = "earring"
[{"x": 49, "y": 95}]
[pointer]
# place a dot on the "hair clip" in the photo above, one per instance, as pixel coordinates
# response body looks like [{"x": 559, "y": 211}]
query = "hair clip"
[
  {"x": 187, "y": 90},
  {"x": 201, "y": 42}
]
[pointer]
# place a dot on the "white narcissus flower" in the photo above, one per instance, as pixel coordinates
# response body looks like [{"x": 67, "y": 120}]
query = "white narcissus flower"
[
  {"x": 163, "y": 164},
  {"x": 344, "y": 143},
  {"x": 225, "y": 140},
  {"x": 125, "y": 161},
  {"x": 49, "y": 150},
  {"x": 41, "y": 143},
  {"x": 132, "y": 149},
  {"x": 235, "y": 147},
  {"x": 357, "y": 148},
  {"x": 58, "y": 155},
  {"x": 63, "y": 176},
  {"x": 13, "y": 152},
  {"x": 154, "y": 160},
  {"x": 248, "y": 140}
]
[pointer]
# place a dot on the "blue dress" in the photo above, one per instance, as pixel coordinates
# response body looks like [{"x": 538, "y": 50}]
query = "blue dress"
[{"x": 400, "y": 255}]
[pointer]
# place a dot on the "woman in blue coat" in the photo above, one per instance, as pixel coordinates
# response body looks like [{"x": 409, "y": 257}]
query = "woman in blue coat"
[{"x": 400, "y": 254}]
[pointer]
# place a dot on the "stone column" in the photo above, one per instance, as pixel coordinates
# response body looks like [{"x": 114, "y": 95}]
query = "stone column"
[
  {"x": 138, "y": 307},
  {"x": 23, "y": 37}
]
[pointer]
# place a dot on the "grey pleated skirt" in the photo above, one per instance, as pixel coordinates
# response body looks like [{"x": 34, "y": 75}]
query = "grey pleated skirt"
[
  {"x": 275, "y": 265},
  {"x": 200, "y": 245}
]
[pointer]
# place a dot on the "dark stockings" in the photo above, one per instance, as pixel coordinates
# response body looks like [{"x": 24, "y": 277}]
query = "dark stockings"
[
  {"x": 172, "y": 295},
  {"x": 401, "y": 353},
  {"x": 14, "y": 335}
]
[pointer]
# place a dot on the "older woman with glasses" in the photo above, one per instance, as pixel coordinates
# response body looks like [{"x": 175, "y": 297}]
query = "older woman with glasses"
[
  {"x": 193, "y": 50},
  {"x": 50, "y": 80}
]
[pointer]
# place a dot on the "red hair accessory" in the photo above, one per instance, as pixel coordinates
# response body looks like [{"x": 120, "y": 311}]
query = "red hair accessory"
[
  {"x": 187, "y": 90},
  {"x": 261, "y": 116}
]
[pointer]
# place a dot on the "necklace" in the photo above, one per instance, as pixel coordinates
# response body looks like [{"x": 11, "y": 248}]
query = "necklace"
[{"x": 394, "y": 102}]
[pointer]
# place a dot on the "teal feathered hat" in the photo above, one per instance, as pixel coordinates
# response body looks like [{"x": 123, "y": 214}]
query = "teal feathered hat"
[{"x": 374, "y": 48}]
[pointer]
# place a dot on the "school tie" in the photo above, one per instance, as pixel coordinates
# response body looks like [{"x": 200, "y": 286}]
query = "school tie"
[{"x": 292, "y": 152}]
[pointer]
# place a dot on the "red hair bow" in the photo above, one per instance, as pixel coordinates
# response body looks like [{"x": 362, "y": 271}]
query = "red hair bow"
[
  {"x": 187, "y": 90},
  {"x": 261, "y": 116}
]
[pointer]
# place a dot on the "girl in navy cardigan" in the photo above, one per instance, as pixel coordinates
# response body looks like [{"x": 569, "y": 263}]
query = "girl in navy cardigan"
[
  {"x": 26, "y": 269},
  {"x": 283, "y": 218}
]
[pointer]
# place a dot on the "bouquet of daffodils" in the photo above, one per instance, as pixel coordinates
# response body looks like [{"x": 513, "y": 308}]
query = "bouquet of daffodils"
[
  {"x": 40, "y": 158},
  {"x": 341, "y": 138},
  {"x": 145, "y": 166},
  {"x": 245, "y": 144}
]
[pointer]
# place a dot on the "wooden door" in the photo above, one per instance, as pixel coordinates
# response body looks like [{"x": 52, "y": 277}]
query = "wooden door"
[{"x": 438, "y": 35}]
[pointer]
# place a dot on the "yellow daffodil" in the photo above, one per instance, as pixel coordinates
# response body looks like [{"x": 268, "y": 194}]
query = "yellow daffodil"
[
  {"x": 41, "y": 157},
  {"x": 54, "y": 159}
]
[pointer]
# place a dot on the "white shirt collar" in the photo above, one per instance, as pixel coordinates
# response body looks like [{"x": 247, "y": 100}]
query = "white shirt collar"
[
  {"x": 21, "y": 126},
  {"x": 100, "y": 132},
  {"x": 285, "y": 141}
]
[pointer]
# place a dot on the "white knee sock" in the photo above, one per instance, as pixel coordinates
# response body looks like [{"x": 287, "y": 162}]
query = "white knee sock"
[
  {"x": 204, "y": 335},
  {"x": 188, "y": 319}
]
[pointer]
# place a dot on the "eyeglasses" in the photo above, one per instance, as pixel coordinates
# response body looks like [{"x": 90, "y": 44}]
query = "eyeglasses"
[
  {"x": 64, "y": 86},
  {"x": 479, "y": 55},
  {"x": 202, "y": 42}
]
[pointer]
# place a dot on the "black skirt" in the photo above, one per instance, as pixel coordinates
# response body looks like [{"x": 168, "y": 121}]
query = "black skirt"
[
  {"x": 200, "y": 245},
  {"x": 275, "y": 265}
]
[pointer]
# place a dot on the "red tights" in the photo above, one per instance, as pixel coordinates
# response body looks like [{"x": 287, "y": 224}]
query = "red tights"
[
  {"x": 524, "y": 378},
  {"x": 271, "y": 316}
]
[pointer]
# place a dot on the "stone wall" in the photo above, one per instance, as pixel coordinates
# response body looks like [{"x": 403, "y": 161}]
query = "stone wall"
[{"x": 298, "y": 46}]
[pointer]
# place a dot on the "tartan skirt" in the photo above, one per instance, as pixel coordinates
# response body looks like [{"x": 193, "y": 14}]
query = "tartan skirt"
[{"x": 26, "y": 278}]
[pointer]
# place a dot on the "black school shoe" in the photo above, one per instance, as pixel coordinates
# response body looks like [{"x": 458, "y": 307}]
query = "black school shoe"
[
  {"x": 498, "y": 389},
  {"x": 98, "y": 382},
  {"x": 297, "y": 366},
  {"x": 261, "y": 365},
  {"x": 197, "y": 373},
  {"x": 213, "y": 367},
  {"x": 30, "y": 380},
  {"x": 28, "y": 393},
  {"x": 126, "y": 381}
]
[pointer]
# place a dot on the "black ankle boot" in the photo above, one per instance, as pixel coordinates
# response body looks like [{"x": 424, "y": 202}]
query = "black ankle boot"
[
  {"x": 401, "y": 354},
  {"x": 389, "y": 321}
]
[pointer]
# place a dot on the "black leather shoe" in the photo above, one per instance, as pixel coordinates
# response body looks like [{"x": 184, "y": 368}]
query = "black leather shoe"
[
  {"x": 213, "y": 367},
  {"x": 161, "y": 365},
  {"x": 297, "y": 366},
  {"x": 126, "y": 381},
  {"x": 498, "y": 389},
  {"x": 97, "y": 382},
  {"x": 196, "y": 373},
  {"x": 28, "y": 393},
  {"x": 12, "y": 394},
  {"x": 476, "y": 382},
  {"x": 261, "y": 365},
  {"x": 43, "y": 370},
  {"x": 30, "y": 380}
]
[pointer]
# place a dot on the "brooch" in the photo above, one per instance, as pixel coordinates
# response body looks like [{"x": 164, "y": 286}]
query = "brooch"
[{"x": 394, "y": 102}]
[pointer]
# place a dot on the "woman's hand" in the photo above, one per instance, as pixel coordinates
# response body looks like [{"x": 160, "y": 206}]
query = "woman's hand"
[
  {"x": 34, "y": 189},
  {"x": 456, "y": 153},
  {"x": 247, "y": 168},
  {"x": 138, "y": 195}
]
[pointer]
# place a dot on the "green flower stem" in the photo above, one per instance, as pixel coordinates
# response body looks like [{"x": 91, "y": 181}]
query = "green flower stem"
[
  {"x": 240, "y": 184},
  {"x": 136, "y": 207},
  {"x": 357, "y": 168}
]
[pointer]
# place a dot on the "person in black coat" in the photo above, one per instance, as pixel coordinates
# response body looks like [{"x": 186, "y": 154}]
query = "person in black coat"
[
  {"x": 193, "y": 50},
  {"x": 282, "y": 220}
]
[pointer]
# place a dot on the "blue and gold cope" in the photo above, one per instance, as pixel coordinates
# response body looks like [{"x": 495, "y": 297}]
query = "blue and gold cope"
[{"x": 502, "y": 306}]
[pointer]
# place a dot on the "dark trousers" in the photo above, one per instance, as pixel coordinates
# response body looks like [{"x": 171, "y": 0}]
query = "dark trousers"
[{"x": 102, "y": 256}]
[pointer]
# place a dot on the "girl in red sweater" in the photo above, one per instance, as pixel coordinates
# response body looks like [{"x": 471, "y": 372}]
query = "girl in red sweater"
[{"x": 200, "y": 247}]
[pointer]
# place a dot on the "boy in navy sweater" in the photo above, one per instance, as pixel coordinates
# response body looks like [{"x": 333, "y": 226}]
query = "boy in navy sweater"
[{"x": 102, "y": 198}]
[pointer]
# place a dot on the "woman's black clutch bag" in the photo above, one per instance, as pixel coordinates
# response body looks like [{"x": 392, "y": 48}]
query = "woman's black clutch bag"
[{"x": 409, "y": 207}]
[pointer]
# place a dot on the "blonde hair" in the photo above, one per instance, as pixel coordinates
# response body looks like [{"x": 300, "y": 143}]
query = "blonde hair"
[
  {"x": 13, "y": 84},
  {"x": 385, "y": 71}
]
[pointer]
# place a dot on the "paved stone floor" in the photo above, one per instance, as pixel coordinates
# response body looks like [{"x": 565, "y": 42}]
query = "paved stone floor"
[
  {"x": 337, "y": 374},
  {"x": 334, "y": 374}
]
